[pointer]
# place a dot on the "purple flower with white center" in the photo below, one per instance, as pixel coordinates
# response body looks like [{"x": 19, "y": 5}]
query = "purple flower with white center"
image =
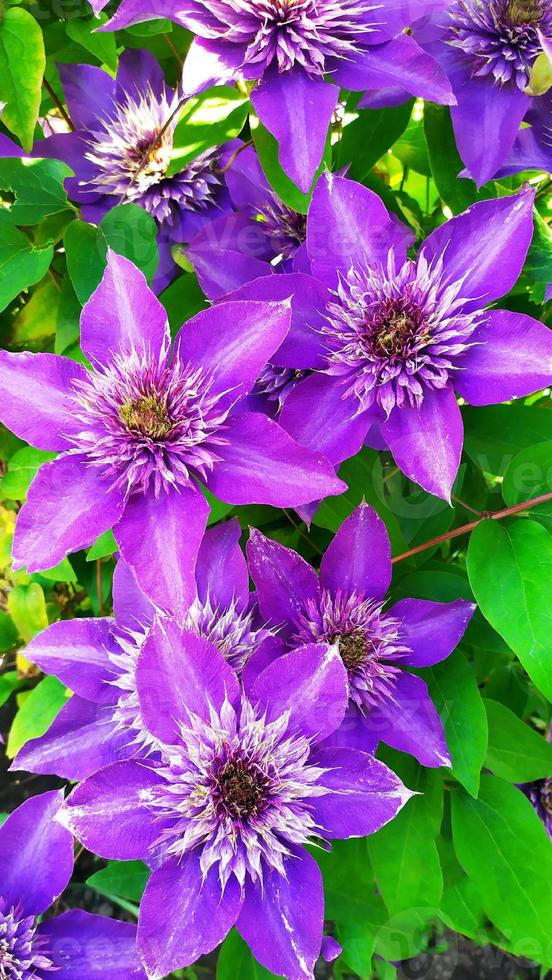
[
  {"x": 242, "y": 785},
  {"x": 540, "y": 795},
  {"x": 287, "y": 47},
  {"x": 36, "y": 863},
  {"x": 345, "y": 606},
  {"x": 487, "y": 48},
  {"x": 137, "y": 432},
  {"x": 121, "y": 148},
  {"x": 388, "y": 340},
  {"x": 97, "y": 658}
]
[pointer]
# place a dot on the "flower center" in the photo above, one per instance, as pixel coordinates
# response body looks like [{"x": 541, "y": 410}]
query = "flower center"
[
  {"x": 393, "y": 327},
  {"x": 242, "y": 789},
  {"x": 286, "y": 228},
  {"x": 23, "y": 954},
  {"x": 147, "y": 415},
  {"x": 354, "y": 649},
  {"x": 524, "y": 12}
]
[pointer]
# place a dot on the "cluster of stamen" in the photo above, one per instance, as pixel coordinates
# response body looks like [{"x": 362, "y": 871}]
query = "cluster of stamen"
[
  {"x": 240, "y": 789},
  {"x": 289, "y": 32},
  {"x": 393, "y": 332},
  {"x": 232, "y": 629},
  {"x": 132, "y": 149},
  {"x": 286, "y": 228},
  {"x": 147, "y": 420},
  {"x": 500, "y": 37},
  {"x": 23, "y": 954},
  {"x": 275, "y": 384},
  {"x": 368, "y": 640}
]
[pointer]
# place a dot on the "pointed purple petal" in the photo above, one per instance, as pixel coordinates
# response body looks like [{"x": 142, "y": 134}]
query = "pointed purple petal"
[
  {"x": 36, "y": 854},
  {"x": 512, "y": 358},
  {"x": 348, "y": 225},
  {"x": 89, "y": 94},
  {"x": 68, "y": 505},
  {"x": 427, "y": 441},
  {"x": 282, "y": 919},
  {"x": 77, "y": 652},
  {"x": 407, "y": 720},
  {"x": 131, "y": 608},
  {"x": 200, "y": 917},
  {"x": 123, "y": 315},
  {"x": 485, "y": 246},
  {"x": 401, "y": 63},
  {"x": 222, "y": 270},
  {"x": 297, "y": 109},
  {"x": 262, "y": 464},
  {"x": 159, "y": 538},
  {"x": 233, "y": 341},
  {"x": 221, "y": 570},
  {"x": 499, "y": 110},
  {"x": 92, "y": 947},
  {"x": 137, "y": 73},
  {"x": 310, "y": 683},
  {"x": 82, "y": 739},
  {"x": 359, "y": 557},
  {"x": 179, "y": 672},
  {"x": 111, "y": 813},
  {"x": 431, "y": 630},
  {"x": 284, "y": 581},
  {"x": 317, "y": 414},
  {"x": 36, "y": 398},
  {"x": 266, "y": 653},
  {"x": 364, "y": 794}
]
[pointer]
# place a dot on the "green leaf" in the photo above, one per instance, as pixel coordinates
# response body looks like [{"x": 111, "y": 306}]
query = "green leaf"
[
  {"x": 494, "y": 435},
  {"x": 540, "y": 80},
  {"x": 101, "y": 44},
  {"x": 34, "y": 327},
  {"x": 516, "y": 752},
  {"x": 21, "y": 265},
  {"x": 236, "y": 961},
  {"x": 36, "y": 714},
  {"x": 125, "y": 879},
  {"x": 405, "y": 858},
  {"x": 538, "y": 264},
  {"x": 9, "y": 637},
  {"x": 411, "y": 149},
  {"x": 369, "y": 136},
  {"x": 504, "y": 848},
  {"x": 22, "y": 64},
  {"x": 103, "y": 546},
  {"x": 513, "y": 590},
  {"x": 132, "y": 232},
  {"x": 461, "y": 906},
  {"x": 210, "y": 119},
  {"x": 27, "y": 608},
  {"x": 64, "y": 572},
  {"x": 456, "y": 696},
  {"x": 22, "y": 469},
  {"x": 444, "y": 159},
  {"x": 182, "y": 300},
  {"x": 9, "y": 682},
  {"x": 68, "y": 318},
  {"x": 38, "y": 189},
  {"x": 86, "y": 250},
  {"x": 267, "y": 150},
  {"x": 528, "y": 475}
]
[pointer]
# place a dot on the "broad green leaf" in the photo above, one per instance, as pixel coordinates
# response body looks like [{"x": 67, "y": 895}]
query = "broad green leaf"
[
  {"x": 22, "y": 469},
  {"x": 267, "y": 150},
  {"x": 132, "y": 232},
  {"x": 210, "y": 119},
  {"x": 27, "y": 608},
  {"x": 497, "y": 433},
  {"x": 68, "y": 317},
  {"x": 100, "y": 43},
  {"x": 445, "y": 160},
  {"x": 405, "y": 858},
  {"x": 218, "y": 508},
  {"x": 182, "y": 300},
  {"x": 125, "y": 879},
  {"x": 9, "y": 636},
  {"x": 454, "y": 691},
  {"x": 37, "y": 186},
  {"x": 64, "y": 572},
  {"x": 34, "y": 327},
  {"x": 22, "y": 64},
  {"x": 21, "y": 265},
  {"x": 9, "y": 682},
  {"x": 236, "y": 961},
  {"x": 86, "y": 249},
  {"x": 411, "y": 149},
  {"x": 516, "y": 752},
  {"x": 538, "y": 264},
  {"x": 36, "y": 714},
  {"x": 504, "y": 849},
  {"x": 528, "y": 475},
  {"x": 369, "y": 136},
  {"x": 461, "y": 906},
  {"x": 103, "y": 546},
  {"x": 513, "y": 590},
  {"x": 540, "y": 80}
]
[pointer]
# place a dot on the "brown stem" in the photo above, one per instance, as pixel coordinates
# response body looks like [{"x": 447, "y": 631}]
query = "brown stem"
[
  {"x": 300, "y": 531},
  {"x": 467, "y": 528},
  {"x": 466, "y": 506},
  {"x": 234, "y": 157},
  {"x": 57, "y": 103},
  {"x": 173, "y": 49}
]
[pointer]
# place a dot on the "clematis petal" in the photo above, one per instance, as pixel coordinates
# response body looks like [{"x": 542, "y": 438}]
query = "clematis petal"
[
  {"x": 77, "y": 651},
  {"x": 131, "y": 608},
  {"x": 36, "y": 398},
  {"x": 221, "y": 570},
  {"x": 284, "y": 581},
  {"x": 431, "y": 630},
  {"x": 409, "y": 722},
  {"x": 400, "y": 63},
  {"x": 89, "y": 94},
  {"x": 89, "y": 947},
  {"x": 358, "y": 558},
  {"x": 138, "y": 72}
]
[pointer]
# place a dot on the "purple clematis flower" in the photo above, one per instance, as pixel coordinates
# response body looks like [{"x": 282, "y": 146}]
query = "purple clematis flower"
[
  {"x": 242, "y": 785},
  {"x": 345, "y": 606},
  {"x": 36, "y": 863},
  {"x": 117, "y": 156},
  {"x": 287, "y": 47},
  {"x": 540, "y": 795},
  {"x": 487, "y": 48},
  {"x": 388, "y": 339},
  {"x": 136, "y": 433},
  {"x": 102, "y": 722}
]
